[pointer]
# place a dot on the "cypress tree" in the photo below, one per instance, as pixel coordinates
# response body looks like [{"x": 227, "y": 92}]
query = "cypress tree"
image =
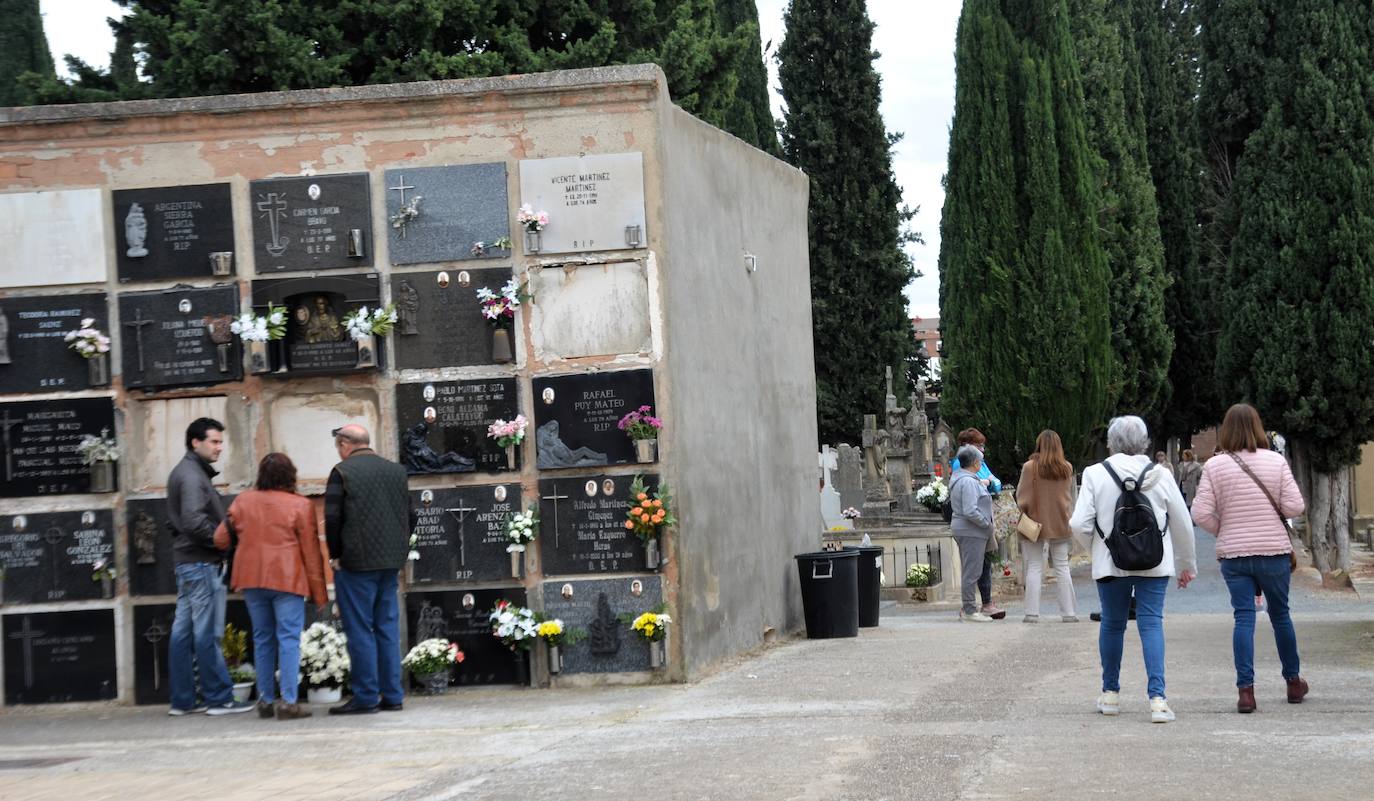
[
  {"x": 1023, "y": 280},
  {"x": 832, "y": 129},
  {"x": 750, "y": 116},
  {"x": 1299, "y": 310},
  {"x": 23, "y": 49}
]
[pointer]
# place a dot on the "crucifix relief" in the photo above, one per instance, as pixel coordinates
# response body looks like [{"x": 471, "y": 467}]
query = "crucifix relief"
[
  {"x": 459, "y": 513},
  {"x": 27, "y": 635},
  {"x": 137, "y": 324},
  {"x": 53, "y": 537},
  {"x": 155, "y": 634}
]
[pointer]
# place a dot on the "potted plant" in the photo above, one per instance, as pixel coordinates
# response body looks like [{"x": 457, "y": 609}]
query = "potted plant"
[
  {"x": 648, "y": 516},
  {"x": 642, "y": 428},
  {"x": 324, "y": 663},
  {"x": 100, "y": 454},
  {"x": 533, "y": 222},
  {"x": 430, "y": 661},
  {"x": 234, "y": 646},
  {"x": 932, "y": 495},
  {"x": 93, "y": 346},
  {"x": 556, "y": 635},
  {"x": 516, "y": 627},
  {"x": 499, "y": 312},
  {"x": 509, "y": 435},
  {"x": 924, "y": 581},
  {"x": 256, "y": 331},
  {"x": 521, "y": 529},
  {"x": 412, "y": 558},
  {"x": 365, "y": 326},
  {"x": 652, "y": 628},
  {"x": 103, "y": 571}
]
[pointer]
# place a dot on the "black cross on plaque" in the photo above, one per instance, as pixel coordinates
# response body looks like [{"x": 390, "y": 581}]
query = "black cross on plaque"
[
  {"x": 555, "y": 497},
  {"x": 137, "y": 323},
  {"x": 6, "y": 423},
  {"x": 27, "y": 635},
  {"x": 459, "y": 513}
]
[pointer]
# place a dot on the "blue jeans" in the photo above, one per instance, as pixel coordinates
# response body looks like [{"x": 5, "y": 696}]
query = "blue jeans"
[
  {"x": 371, "y": 619},
  {"x": 278, "y": 618},
  {"x": 1246, "y": 577},
  {"x": 194, "y": 645},
  {"x": 1115, "y": 596}
]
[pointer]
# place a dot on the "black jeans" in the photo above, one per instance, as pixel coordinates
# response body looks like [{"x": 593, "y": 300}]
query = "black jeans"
[{"x": 985, "y": 582}]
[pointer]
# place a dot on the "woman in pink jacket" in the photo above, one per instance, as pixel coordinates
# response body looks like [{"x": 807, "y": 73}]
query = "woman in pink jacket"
[{"x": 1246, "y": 494}]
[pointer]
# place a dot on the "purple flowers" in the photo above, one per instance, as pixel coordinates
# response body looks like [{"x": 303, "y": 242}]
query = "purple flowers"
[{"x": 639, "y": 424}]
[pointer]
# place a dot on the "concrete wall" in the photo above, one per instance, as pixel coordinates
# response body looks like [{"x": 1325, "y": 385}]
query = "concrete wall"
[{"x": 740, "y": 375}]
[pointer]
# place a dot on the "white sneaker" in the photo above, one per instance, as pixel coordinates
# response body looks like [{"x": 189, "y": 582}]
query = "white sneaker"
[
  {"x": 1031, "y": 619},
  {"x": 1160, "y": 711},
  {"x": 1109, "y": 703},
  {"x": 975, "y": 617}
]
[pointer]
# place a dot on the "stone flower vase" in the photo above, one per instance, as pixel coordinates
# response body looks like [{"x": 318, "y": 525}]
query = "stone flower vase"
[
  {"x": 555, "y": 660},
  {"x": 106, "y": 587},
  {"x": 436, "y": 683},
  {"x": 324, "y": 695},
  {"x": 646, "y": 450},
  {"x": 658, "y": 655},
  {"x": 501, "y": 352},
  {"x": 534, "y": 241},
  {"x": 510, "y": 456},
  {"x": 652, "y": 559},
  {"x": 102, "y": 477},
  {"x": 98, "y": 370},
  {"x": 522, "y": 667},
  {"x": 259, "y": 360},
  {"x": 410, "y": 572},
  {"x": 517, "y": 562},
  {"x": 367, "y": 351}
]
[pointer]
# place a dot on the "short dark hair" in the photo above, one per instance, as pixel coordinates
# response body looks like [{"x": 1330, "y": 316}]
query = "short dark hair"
[
  {"x": 276, "y": 472},
  {"x": 200, "y": 428}
]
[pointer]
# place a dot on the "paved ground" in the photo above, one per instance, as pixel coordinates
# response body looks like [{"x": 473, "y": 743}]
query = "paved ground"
[{"x": 923, "y": 707}]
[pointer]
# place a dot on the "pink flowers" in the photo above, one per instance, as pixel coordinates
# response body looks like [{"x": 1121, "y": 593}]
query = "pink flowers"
[
  {"x": 508, "y": 433},
  {"x": 456, "y": 656},
  {"x": 499, "y": 310},
  {"x": 88, "y": 340},
  {"x": 532, "y": 220},
  {"x": 639, "y": 424}
]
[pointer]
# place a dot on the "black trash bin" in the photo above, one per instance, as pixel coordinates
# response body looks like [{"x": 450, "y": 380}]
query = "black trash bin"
[
  {"x": 870, "y": 568},
  {"x": 830, "y": 593}
]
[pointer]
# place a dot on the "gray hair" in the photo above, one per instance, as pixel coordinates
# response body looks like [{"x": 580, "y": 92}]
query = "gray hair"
[
  {"x": 968, "y": 455},
  {"x": 1128, "y": 435}
]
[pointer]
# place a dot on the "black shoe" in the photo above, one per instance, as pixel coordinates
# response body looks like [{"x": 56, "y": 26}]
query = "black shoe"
[
  {"x": 352, "y": 707},
  {"x": 1096, "y": 617},
  {"x": 396, "y": 707}
]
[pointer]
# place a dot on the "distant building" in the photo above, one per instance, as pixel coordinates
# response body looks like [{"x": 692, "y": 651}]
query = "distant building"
[{"x": 928, "y": 337}]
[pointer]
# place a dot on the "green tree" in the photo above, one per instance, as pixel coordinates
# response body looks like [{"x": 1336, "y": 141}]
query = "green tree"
[
  {"x": 1023, "y": 280},
  {"x": 750, "y": 116},
  {"x": 23, "y": 48},
  {"x": 833, "y": 131},
  {"x": 1299, "y": 310}
]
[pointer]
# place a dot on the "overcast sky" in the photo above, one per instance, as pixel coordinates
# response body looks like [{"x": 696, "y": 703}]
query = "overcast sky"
[{"x": 916, "y": 41}]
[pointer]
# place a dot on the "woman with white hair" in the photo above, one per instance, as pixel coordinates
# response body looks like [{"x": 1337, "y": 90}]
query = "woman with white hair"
[
  {"x": 971, "y": 525},
  {"x": 1159, "y": 527}
]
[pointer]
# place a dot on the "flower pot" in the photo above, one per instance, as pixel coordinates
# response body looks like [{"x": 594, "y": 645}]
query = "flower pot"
[
  {"x": 500, "y": 346},
  {"x": 436, "y": 683},
  {"x": 106, "y": 587},
  {"x": 555, "y": 660},
  {"x": 927, "y": 594},
  {"x": 243, "y": 690},
  {"x": 651, "y": 555},
  {"x": 534, "y": 241},
  {"x": 646, "y": 450},
  {"x": 517, "y": 561},
  {"x": 222, "y": 263},
  {"x": 658, "y": 655},
  {"x": 410, "y": 571},
  {"x": 98, "y": 370},
  {"x": 522, "y": 668},
  {"x": 324, "y": 695},
  {"x": 510, "y": 456},
  {"x": 367, "y": 351},
  {"x": 102, "y": 477},
  {"x": 259, "y": 361}
]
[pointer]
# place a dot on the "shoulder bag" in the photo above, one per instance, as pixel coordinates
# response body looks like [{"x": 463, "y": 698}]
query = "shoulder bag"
[
  {"x": 1288, "y": 527},
  {"x": 1026, "y": 526}
]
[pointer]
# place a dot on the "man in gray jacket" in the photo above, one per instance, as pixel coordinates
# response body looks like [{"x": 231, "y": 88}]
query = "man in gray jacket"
[
  {"x": 194, "y": 510},
  {"x": 972, "y": 528}
]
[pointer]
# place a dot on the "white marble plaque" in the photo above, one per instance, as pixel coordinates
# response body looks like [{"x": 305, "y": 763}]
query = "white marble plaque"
[
  {"x": 300, "y": 426},
  {"x": 593, "y": 310},
  {"x": 591, "y": 201},
  {"x": 52, "y": 238}
]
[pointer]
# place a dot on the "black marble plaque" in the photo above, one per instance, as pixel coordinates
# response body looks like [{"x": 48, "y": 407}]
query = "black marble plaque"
[
  {"x": 181, "y": 336},
  {"x": 316, "y": 339},
  {"x": 32, "y": 331},
  {"x": 173, "y": 231},
  {"x": 55, "y": 657},
  {"x": 462, "y": 533},
  {"x": 320, "y": 222},
  {"x": 440, "y": 319},
  {"x": 152, "y": 644},
  {"x": 461, "y": 617},
  {"x": 38, "y": 441},
  {"x": 443, "y": 425},
  {"x": 582, "y": 525},
  {"x": 51, "y": 556},
  {"x": 594, "y": 606},
  {"x": 151, "y": 565},
  {"x": 577, "y": 417}
]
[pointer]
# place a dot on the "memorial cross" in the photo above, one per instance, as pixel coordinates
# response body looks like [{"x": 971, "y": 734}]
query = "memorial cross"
[
  {"x": 555, "y": 497},
  {"x": 137, "y": 323},
  {"x": 27, "y": 636}
]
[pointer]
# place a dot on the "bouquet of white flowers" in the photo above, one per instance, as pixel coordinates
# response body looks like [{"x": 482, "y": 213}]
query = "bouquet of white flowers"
[
  {"x": 521, "y": 530},
  {"x": 932, "y": 495},
  {"x": 515, "y": 626},
  {"x": 362, "y": 323},
  {"x": 265, "y": 328},
  {"x": 94, "y": 449},
  {"x": 432, "y": 656},
  {"x": 324, "y": 656},
  {"x": 88, "y": 340}
]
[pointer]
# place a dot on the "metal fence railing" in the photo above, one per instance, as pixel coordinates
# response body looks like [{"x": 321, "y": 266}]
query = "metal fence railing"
[{"x": 897, "y": 561}]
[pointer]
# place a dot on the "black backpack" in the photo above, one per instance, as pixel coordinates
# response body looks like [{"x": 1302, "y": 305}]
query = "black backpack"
[{"x": 1136, "y": 543}]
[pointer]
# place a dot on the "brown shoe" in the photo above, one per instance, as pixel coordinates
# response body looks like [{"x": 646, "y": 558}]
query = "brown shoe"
[
  {"x": 1246, "y": 704},
  {"x": 1297, "y": 688},
  {"x": 291, "y": 711},
  {"x": 266, "y": 710}
]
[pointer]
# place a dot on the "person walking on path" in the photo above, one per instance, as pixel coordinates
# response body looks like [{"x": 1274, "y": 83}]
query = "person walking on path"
[
  {"x": 1188, "y": 474},
  {"x": 368, "y": 521},
  {"x": 1245, "y": 496},
  {"x": 194, "y": 510},
  {"x": 976, "y": 438},
  {"x": 1095, "y": 516},
  {"x": 278, "y": 564},
  {"x": 971, "y": 525},
  {"x": 1045, "y": 494}
]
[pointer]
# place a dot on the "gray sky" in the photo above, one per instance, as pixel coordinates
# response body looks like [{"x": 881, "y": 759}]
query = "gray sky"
[{"x": 916, "y": 41}]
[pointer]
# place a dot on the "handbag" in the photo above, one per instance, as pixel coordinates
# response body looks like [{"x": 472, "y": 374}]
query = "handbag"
[
  {"x": 1288, "y": 527},
  {"x": 1028, "y": 528}
]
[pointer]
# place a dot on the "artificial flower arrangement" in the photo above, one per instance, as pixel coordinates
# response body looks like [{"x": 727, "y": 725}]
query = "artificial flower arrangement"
[
  {"x": 88, "y": 341},
  {"x": 932, "y": 495},
  {"x": 640, "y": 424},
  {"x": 261, "y": 328},
  {"x": 553, "y": 632},
  {"x": 324, "y": 656},
  {"x": 530, "y": 219},
  {"x": 499, "y": 309},
  {"x": 102, "y": 448},
  {"x": 362, "y": 323},
  {"x": 515, "y": 626},
  {"x": 409, "y": 211},
  {"x": 651, "y": 626},
  {"x": 103, "y": 569},
  {"x": 507, "y": 433},
  {"x": 479, "y": 249},
  {"x": 648, "y": 516},
  {"x": 521, "y": 529},
  {"x": 851, "y": 514},
  {"x": 432, "y": 656},
  {"x": 919, "y": 575},
  {"x": 414, "y": 555}
]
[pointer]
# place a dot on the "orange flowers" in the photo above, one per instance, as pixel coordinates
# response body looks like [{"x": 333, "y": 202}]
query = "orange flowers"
[{"x": 647, "y": 516}]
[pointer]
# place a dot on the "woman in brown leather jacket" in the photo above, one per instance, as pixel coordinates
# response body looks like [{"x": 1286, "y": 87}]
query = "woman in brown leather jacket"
[{"x": 277, "y": 563}]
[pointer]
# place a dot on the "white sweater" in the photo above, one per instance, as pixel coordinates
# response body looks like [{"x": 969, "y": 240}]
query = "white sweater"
[{"x": 1097, "y": 503}]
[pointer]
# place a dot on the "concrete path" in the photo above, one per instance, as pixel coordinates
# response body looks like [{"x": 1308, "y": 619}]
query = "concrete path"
[{"x": 923, "y": 707}]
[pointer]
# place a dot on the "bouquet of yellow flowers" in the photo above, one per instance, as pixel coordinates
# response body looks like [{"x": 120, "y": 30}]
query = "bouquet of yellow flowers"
[
  {"x": 652, "y": 626},
  {"x": 553, "y": 632}
]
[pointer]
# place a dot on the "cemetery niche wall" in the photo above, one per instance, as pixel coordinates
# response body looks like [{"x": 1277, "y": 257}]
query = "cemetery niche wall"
[{"x": 634, "y": 292}]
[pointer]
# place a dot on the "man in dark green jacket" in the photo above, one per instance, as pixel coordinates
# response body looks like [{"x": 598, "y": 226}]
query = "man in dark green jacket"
[{"x": 367, "y": 524}]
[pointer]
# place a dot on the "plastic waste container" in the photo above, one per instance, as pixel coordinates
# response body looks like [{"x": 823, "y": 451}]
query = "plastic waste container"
[
  {"x": 870, "y": 570},
  {"x": 830, "y": 593}
]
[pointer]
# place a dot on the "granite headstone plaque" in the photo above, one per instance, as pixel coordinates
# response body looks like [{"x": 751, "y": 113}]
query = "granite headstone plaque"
[
  {"x": 461, "y": 533},
  {"x": 593, "y": 202},
  {"x": 582, "y": 525},
  {"x": 440, "y": 321},
  {"x": 52, "y": 238},
  {"x": 152, "y": 641},
  {"x": 56, "y": 657},
  {"x": 51, "y": 556},
  {"x": 316, "y": 339},
  {"x": 319, "y": 222},
  {"x": 39, "y": 441},
  {"x": 594, "y": 606},
  {"x": 443, "y": 425},
  {"x": 152, "y": 568},
  {"x": 443, "y": 213},
  {"x": 170, "y": 231},
  {"x": 577, "y": 417},
  {"x": 34, "y": 356},
  {"x": 461, "y": 617},
  {"x": 180, "y": 336}
]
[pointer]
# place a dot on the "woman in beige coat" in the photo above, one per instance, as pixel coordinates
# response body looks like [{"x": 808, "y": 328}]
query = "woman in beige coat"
[{"x": 1045, "y": 494}]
